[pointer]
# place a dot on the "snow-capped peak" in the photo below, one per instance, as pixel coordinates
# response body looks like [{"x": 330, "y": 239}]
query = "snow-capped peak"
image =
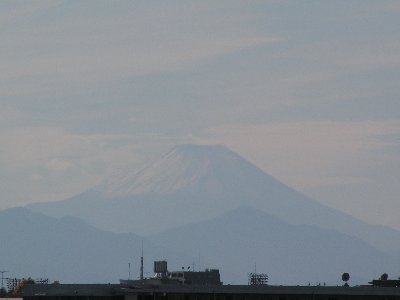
[{"x": 181, "y": 169}]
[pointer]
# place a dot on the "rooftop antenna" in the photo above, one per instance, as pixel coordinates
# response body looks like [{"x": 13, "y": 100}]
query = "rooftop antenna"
[
  {"x": 141, "y": 264},
  {"x": 2, "y": 282}
]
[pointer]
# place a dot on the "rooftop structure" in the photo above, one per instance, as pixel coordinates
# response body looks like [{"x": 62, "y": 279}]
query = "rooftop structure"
[{"x": 163, "y": 276}]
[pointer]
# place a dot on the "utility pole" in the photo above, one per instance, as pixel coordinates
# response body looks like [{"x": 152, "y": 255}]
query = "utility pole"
[
  {"x": 141, "y": 264},
  {"x": 2, "y": 282}
]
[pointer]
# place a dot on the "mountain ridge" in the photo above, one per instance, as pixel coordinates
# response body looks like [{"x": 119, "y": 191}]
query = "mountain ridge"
[
  {"x": 200, "y": 183},
  {"x": 289, "y": 254},
  {"x": 71, "y": 251}
]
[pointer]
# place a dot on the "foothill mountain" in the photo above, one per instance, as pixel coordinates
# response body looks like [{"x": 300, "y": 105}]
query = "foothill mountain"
[
  {"x": 71, "y": 251},
  {"x": 195, "y": 197},
  {"x": 252, "y": 240},
  {"x": 195, "y": 183}
]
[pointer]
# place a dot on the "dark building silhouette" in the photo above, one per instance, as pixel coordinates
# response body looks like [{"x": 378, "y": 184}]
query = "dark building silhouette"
[
  {"x": 205, "y": 292},
  {"x": 206, "y": 285},
  {"x": 386, "y": 283}
]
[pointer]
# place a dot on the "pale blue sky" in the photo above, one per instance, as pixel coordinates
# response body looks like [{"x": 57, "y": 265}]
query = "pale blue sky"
[{"x": 306, "y": 90}]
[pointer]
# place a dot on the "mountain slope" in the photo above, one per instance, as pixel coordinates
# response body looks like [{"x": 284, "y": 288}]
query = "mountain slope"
[
  {"x": 289, "y": 254},
  {"x": 71, "y": 251},
  {"x": 194, "y": 183}
]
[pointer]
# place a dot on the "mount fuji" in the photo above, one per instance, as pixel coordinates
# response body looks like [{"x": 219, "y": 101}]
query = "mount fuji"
[{"x": 194, "y": 183}]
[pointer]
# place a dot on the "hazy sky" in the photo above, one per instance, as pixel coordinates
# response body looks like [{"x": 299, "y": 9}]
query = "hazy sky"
[{"x": 306, "y": 90}]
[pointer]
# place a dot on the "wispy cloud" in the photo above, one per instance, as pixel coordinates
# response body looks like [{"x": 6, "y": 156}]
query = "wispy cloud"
[
  {"x": 58, "y": 165},
  {"x": 14, "y": 12},
  {"x": 307, "y": 154},
  {"x": 306, "y": 91},
  {"x": 85, "y": 49}
]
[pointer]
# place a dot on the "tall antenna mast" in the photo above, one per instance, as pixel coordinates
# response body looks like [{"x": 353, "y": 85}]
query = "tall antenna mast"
[
  {"x": 141, "y": 264},
  {"x": 2, "y": 282}
]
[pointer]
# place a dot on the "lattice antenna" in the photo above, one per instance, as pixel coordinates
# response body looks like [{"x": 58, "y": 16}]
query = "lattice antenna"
[
  {"x": 2, "y": 282},
  {"x": 141, "y": 264}
]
